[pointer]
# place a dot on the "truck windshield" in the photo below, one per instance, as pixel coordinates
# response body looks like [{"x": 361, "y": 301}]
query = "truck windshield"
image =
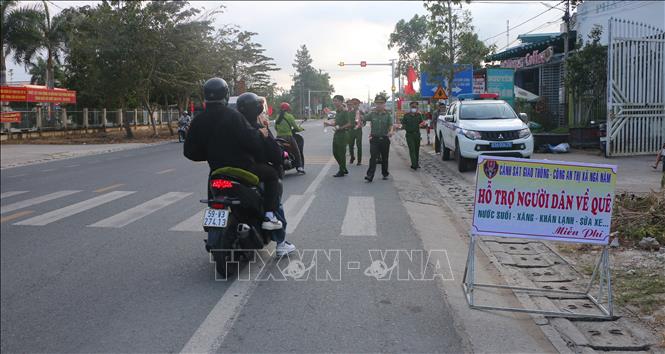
[{"x": 486, "y": 111}]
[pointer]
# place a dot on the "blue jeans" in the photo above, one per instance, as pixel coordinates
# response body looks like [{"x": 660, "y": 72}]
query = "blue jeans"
[{"x": 279, "y": 235}]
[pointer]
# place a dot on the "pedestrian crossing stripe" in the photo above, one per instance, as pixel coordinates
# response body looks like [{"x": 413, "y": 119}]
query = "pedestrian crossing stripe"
[{"x": 359, "y": 218}]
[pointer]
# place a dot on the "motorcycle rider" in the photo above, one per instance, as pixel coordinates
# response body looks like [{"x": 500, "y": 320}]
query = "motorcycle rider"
[
  {"x": 250, "y": 105},
  {"x": 287, "y": 129},
  {"x": 222, "y": 137}
]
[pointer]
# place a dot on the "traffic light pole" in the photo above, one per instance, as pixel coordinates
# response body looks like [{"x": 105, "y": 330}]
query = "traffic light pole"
[{"x": 392, "y": 77}]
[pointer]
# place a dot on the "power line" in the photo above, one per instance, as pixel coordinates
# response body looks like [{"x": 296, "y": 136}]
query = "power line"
[
  {"x": 535, "y": 29},
  {"x": 532, "y": 18}
]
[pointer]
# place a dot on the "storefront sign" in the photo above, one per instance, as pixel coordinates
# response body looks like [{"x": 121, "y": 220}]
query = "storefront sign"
[
  {"x": 535, "y": 58},
  {"x": 542, "y": 199},
  {"x": 479, "y": 84},
  {"x": 502, "y": 81},
  {"x": 10, "y": 117},
  {"x": 33, "y": 94}
]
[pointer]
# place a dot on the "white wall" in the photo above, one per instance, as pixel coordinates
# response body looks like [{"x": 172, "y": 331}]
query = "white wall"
[{"x": 590, "y": 13}]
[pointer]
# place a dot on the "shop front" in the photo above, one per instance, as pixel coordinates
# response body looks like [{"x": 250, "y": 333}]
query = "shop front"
[{"x": 538, "y": 66}]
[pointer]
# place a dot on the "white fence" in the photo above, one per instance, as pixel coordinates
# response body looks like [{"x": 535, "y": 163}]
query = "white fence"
[
  {"x": 635, "y": 88},
  {"x": 38, "y": 119}
]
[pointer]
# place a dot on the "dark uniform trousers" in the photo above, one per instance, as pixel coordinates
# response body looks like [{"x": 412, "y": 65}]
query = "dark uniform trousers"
[
  {"x": 413, "y": 142},
  {"x": 379, "y": 146},
  {"x": 356, "y": 139}
]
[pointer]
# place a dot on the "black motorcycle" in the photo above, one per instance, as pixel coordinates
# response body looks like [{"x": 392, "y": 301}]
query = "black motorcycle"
[
  {"x": 289, "y": 161},
  {"x": 233, "y": 218}
]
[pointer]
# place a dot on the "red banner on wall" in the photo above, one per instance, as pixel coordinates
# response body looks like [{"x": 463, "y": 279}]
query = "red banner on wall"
[
  {"x": 36, "y": 94},
  {"x": 10, "y": 117}
]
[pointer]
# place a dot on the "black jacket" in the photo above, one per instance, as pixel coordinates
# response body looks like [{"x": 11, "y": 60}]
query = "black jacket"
[{"x": 222, "y": 136}]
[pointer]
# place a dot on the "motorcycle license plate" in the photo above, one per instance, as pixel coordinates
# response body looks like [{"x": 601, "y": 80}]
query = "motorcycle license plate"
[
  {"x": 501, "y": 144},
  {"x": 215, "y": 217}
]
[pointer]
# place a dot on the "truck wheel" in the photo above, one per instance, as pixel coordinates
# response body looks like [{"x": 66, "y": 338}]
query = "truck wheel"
[
  {"x": 462, "y": 164},
  {"x": 445, "y": 152},
  {"x": 437, "y": 144}
]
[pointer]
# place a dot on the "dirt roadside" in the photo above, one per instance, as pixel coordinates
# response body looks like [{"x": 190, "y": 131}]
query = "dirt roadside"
[{"x": 638, "y": 276}]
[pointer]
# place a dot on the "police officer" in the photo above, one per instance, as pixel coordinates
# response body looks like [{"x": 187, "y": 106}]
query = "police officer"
[
  {"x": 356, "y": 133},
  {"x": 343, "y": 122},
  {"x": 222, "y": 137},
  {"x": 379, "y": 138},
  {"x": 411, "y": 123}
]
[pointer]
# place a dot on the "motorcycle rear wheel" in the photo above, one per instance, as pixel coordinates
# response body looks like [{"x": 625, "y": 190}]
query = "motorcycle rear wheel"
[{"x": 224, "y": 264}]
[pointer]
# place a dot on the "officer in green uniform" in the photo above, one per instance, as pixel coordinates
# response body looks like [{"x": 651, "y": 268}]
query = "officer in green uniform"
[
  {"x": 379, "y": 138},
  {"x": 343, "y": 122},
  {"x": 356, "y": 132},
  {"x": 411, "y": 124}
]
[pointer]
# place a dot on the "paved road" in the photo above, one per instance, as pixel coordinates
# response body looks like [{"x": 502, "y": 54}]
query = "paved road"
[{"x": 104, "y": 254}]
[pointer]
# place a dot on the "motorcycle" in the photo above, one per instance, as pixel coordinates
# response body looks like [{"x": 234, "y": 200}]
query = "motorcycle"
[
  {"x": 233, "y": 218},
  {"x": 182, "y": 131},
  {"x": 289, "y": 161}
]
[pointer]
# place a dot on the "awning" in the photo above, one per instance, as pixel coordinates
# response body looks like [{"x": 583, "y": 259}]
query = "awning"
[
  {"x": 525, "y": 95},
  {"x": 525, "y": 48}
]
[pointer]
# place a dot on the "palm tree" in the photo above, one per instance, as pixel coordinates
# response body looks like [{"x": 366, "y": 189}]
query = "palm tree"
[
  {"x": 51, "y": 38},
  {"x": 38, "y": 70},
  {"x": 18, "y": 33}
]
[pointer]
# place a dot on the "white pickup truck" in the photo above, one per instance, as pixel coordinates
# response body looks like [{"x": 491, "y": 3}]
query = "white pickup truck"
[{"x": 471, "y": 128}]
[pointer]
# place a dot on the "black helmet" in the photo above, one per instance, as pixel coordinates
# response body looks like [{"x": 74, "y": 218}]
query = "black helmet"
[
  {"x": 250, "y": 105},
  {"x": 216, "y": 90}
]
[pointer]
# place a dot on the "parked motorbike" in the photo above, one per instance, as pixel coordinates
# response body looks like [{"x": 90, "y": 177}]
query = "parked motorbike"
[{"x": 233, "y": 218}]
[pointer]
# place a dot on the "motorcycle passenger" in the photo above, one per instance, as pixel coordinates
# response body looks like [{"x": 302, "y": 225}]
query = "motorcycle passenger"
[
  {"x": 287, "y": 129},
  {"x": 222, "y": 137},
  {"x": 250, "y": 105}
]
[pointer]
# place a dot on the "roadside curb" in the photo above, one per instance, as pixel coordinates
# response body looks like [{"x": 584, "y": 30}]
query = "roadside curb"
[{"x": 70, "y": 155}]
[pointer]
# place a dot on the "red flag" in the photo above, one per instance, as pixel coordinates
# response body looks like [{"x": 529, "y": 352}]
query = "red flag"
[{"x": 411, "y": 78}]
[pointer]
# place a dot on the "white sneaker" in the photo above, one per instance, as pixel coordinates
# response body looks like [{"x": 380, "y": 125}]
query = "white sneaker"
[
  {"x": 271, "y": 224},
  {"x": 284, "y": 248}
]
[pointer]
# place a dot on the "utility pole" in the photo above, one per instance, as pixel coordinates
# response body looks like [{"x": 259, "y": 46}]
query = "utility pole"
[
  {"x": 507, "y": 33},
  {"x": 566, "y": 19}
]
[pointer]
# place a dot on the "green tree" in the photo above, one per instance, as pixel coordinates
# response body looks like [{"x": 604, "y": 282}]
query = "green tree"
[
  {"x": 18, "y": 33},
  {"x": 249, "y": 66},
  {"x": 37, "y": 71},
  {"x": 432, "y": 43},
  {"x": 410, "y": 39},
  {"x": 308, "y": 78},
  {"x": 586, "y": 74}
]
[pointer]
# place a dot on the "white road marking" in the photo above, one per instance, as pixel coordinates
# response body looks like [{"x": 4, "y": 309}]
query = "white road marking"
[
  {"x": 11, "y": 194},
  {"x": 297, "y": 205},
  {"x": 193, "y": 224},
  {"x": 130, "y": 215},
  {"x": 210, "y": 334},
  {"x": 360, "y": 218},
  {"x": 295, "y": 214},
  {"x": 45, "y": 219},
  {"x": 37, "y": 200}
]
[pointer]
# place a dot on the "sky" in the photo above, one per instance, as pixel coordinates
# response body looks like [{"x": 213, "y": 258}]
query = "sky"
[{"x": 351, "y": 31}]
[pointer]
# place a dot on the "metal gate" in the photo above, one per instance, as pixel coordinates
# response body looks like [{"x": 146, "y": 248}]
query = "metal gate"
[{"x": 635, "y": 88}]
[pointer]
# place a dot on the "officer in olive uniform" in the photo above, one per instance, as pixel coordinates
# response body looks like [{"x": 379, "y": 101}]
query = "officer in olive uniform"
[
  {"x": 343, "y": 122},
  {"x": 356, "y": 133},
  {"x": 379, "y": 138},
  {"x": 411, "y": 123}
]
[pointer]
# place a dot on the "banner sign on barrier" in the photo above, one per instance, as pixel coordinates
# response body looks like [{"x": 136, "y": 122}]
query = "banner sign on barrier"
[
  {"x": 36, "y": 94},
  {"x": 542, "y": 199},
  {"x": 10, "y": 117}
]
